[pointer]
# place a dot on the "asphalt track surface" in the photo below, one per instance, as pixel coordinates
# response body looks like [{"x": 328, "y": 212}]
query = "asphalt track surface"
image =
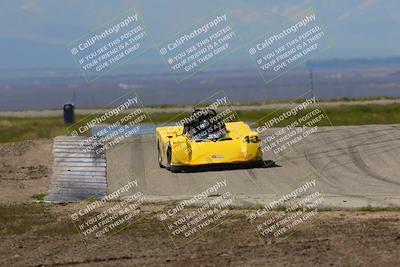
[{"x": 353, "y": 166}]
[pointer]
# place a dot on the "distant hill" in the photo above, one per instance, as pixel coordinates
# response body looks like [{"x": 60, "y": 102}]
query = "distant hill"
[{"x": 356, "y": 63}]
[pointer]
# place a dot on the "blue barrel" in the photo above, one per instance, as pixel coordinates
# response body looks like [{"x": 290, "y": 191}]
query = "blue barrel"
[{"x": 69, "y": 113}]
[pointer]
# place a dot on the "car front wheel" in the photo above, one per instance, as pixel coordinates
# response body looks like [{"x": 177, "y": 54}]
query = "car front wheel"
[
  {"x": 159, "y": 156},
  {"x": 169, "y": 157}
]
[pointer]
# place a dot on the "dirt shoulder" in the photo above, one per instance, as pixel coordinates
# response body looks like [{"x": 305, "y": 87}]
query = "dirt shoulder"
[
  {"x": 43, "y": 235},
  {"x": 25, "y": 170}
]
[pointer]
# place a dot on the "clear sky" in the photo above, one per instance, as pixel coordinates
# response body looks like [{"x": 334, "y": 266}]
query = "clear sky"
[{"x": 34, "y": 33}]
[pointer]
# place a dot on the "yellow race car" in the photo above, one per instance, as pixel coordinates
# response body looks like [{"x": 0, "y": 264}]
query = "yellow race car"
[{"x": 207, "y": 140}]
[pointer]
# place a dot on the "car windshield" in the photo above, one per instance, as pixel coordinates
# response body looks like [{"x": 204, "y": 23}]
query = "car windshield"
[{"x": 205, "y": 126}]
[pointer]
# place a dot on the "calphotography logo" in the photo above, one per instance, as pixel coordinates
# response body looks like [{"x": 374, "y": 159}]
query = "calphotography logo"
[
  {"x": 105, "y": 216},
  {"x": 292, "y": 128},
  {"x": 289, "y": 45},
  {"x": 111, "y": 45},
  {"x": 191, "y": 218},
  {"x": 196, "y": 48},
  {"x": 121, "y": 120},
  {"x": 280, "y": 218}
]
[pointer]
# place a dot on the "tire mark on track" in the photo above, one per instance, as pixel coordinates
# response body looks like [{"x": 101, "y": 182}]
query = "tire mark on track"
[
  {"x": 253, "y": 177},
  {"x": 360, "y": 163},
  {"x": 317, "y": 170}
]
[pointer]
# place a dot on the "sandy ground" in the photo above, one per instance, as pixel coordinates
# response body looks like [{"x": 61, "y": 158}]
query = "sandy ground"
[
  {"x": 25, "y": 170},
  {"x": 38, "y": 234},
  {"x": 329, "y": 239}
]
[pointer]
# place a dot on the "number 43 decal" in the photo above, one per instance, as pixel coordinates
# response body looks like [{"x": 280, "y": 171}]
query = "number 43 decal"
[{"x": 251, "y": 139}]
